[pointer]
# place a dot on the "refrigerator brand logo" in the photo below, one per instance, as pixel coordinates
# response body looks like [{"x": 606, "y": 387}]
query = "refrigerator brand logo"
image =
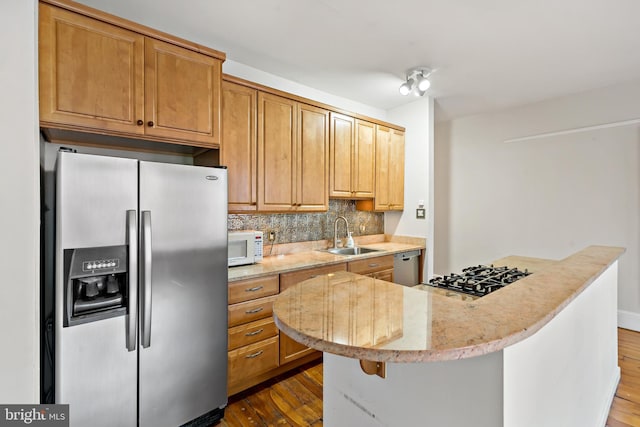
[
  {"x": 212, "y": 177},
  {"x": 37, "y": 415}
]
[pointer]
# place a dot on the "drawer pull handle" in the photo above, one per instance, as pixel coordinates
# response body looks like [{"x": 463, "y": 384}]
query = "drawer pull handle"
[
  {"x": 257, "y": 288},
  {"x": 254, "y": 333},
  {"x": 256, "y": 354},
  {"x": 313, "y": 276},
  {"x": 255, "y": 310},
  {"x": 373, "y": 264}
]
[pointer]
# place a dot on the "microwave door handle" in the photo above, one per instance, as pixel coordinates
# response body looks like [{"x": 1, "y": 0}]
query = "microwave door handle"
[
  {"x": 132, "y": 262},
  {"x": 146, "y": 279}
]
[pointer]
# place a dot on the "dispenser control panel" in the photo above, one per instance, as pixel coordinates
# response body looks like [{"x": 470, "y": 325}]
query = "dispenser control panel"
[{"x": 100, "y": 264}]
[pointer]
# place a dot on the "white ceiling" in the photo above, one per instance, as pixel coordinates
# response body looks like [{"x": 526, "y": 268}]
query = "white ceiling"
[{"x": 488, "y": 54}]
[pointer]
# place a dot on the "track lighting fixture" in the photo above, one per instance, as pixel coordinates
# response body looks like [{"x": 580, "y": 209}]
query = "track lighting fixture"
[{"x": 417, "y": 81}]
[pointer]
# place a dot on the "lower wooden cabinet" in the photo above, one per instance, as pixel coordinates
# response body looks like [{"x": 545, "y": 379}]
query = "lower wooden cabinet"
[
  {"x": 257, "y": 350},
  {"x": 289, "y": 279},
  {"x": 253, "y": 359},
  {"x": 378, "y": 267},
  {"x": 386, "y": 275},
  {"x": 289, "y": 349},
  {"x": 249, "y": 311},
  {"x": 252, "y": 332},
  {"x": 292, "y": 350}
]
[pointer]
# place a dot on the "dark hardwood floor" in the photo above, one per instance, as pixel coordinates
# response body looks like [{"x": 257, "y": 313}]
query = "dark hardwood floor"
[
  {"x": 291, "y": 399},
  {"x": 295, "y": 399}
]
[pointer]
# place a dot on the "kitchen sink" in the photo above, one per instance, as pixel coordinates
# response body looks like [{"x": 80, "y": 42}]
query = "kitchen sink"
[{"x": 351, "y": 251}]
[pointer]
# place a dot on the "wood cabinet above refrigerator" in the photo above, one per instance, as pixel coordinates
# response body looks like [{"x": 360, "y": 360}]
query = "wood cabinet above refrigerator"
[{"x": 106, "y": 75}]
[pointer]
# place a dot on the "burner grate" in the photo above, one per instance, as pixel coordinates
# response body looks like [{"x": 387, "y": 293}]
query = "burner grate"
[{"x": 479, "y": 280}]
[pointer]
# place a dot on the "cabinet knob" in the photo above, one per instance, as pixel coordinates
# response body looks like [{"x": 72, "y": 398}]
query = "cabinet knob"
[
  {"x": 150, "y": 123},
  {"x": 140, "y": 122}
]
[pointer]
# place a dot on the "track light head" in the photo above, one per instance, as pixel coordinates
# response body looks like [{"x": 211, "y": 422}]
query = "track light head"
[
  {"x": 407, "y": 87},
  {"x": 423, "y": 82},
  {"x": 417, "y": 81}
]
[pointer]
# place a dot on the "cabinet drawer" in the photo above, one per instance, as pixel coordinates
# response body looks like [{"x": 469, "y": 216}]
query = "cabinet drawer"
[
  {"x": 251, "y": 332},
  {"x": 289, "y": 279},
  {"x": 253, "y": 359},
  {"x": 371, "y": 265},
  {"x": 245, "y": 290},
  {"x": 249, "y": 311}
]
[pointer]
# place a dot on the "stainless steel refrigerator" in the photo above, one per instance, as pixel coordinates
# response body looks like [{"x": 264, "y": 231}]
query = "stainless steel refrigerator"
[{"x": 140, "y": 291}]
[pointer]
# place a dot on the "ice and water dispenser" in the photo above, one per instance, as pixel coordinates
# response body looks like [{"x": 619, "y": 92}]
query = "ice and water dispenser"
[{"x": 95, "y": 284}]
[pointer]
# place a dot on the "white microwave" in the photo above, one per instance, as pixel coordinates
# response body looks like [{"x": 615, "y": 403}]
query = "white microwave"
[{"x": 245, "y": 247}]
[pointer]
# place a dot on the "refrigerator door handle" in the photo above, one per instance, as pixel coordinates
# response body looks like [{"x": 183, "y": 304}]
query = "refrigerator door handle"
[
  {"x": 146, "y": 278},
  {"x": 132, "y": 304}
]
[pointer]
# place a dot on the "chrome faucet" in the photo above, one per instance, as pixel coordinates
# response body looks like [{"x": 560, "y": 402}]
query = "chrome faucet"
[{"x": 335, "y": 230}]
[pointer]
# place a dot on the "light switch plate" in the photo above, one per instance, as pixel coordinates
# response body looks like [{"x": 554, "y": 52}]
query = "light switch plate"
[{"x": 420, "y": 213}]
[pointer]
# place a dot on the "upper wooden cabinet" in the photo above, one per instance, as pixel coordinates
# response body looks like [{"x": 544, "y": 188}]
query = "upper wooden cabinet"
[
  {"x": 396, "y": 171},
  {"x": 91, "y": 73},
  {"x": 389, "y": 192},
  {"x": 182, "y": 93},
  {"x": 102, "y": 74},
  {"x": 239, "y": 150},
  {"x": 285, "y": 153},
  {"x": 351, "y": 157},
  {"x": 293, "y": 155}
]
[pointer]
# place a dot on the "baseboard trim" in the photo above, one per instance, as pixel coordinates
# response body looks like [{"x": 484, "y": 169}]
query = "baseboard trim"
[
  {"x": 629, "y": 320},
  {"x": 613, "y": 387}
]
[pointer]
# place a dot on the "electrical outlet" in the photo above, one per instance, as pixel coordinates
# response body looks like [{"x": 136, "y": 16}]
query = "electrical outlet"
[{"x": 271, "y": 235}]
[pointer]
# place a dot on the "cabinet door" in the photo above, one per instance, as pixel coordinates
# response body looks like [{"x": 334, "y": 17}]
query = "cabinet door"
[
  {"x": 182, "y": 94},
  {"x": 312, "y": 159},
  {"x": 290, "y": 349},
  {"x": 396, "y": 171},
  {"x": 364, "y": 160},
  {"x": 277, "y": 132},
  {"x": 239, "y": 144},
  {"x": 383, "y": 152},
  {"x": 341, "y": 143},
  {"x": 91, "y": 73},
  {"x": 386, "y": 275}
]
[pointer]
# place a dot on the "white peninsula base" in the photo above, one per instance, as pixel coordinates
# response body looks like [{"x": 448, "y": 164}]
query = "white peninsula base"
[{"x": 563, "y": 375}]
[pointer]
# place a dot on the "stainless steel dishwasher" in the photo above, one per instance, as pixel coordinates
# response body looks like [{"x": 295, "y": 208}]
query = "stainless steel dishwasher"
[{"x": 405, "y": 268}]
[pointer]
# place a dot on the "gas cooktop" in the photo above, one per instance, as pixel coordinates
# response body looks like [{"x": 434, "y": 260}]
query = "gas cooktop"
[{"x": 480, "y": 280}]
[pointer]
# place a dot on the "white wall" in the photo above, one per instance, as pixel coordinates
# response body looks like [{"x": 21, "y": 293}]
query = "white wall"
[
  {"x": 19, "y": 216},
  {"x": 543, "y": 197},
  {"x": 417, "y": 118},
  {"x": 252, "y": 74}
]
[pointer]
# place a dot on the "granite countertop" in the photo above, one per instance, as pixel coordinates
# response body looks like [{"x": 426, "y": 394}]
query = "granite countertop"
[
  {"x": 313, "y": 258},
  {"x": 368, "y": 319}
]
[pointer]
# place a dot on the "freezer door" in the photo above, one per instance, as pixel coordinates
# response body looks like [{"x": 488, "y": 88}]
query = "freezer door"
[
  {"x": 95, "y": 372},
  {"x": 183, "y": 293}
]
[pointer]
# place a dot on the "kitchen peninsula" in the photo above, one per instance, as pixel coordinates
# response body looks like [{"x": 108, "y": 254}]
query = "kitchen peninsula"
[
  {"x": 541, "y": 351},
  {"x": 257, "y": 351}
]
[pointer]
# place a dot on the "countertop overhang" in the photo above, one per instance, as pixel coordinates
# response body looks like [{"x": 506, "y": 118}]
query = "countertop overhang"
[{"x": 369, "y": 319}]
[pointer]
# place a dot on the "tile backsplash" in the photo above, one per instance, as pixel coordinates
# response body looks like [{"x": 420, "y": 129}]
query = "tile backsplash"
[{"x": 302, "y": 227}]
